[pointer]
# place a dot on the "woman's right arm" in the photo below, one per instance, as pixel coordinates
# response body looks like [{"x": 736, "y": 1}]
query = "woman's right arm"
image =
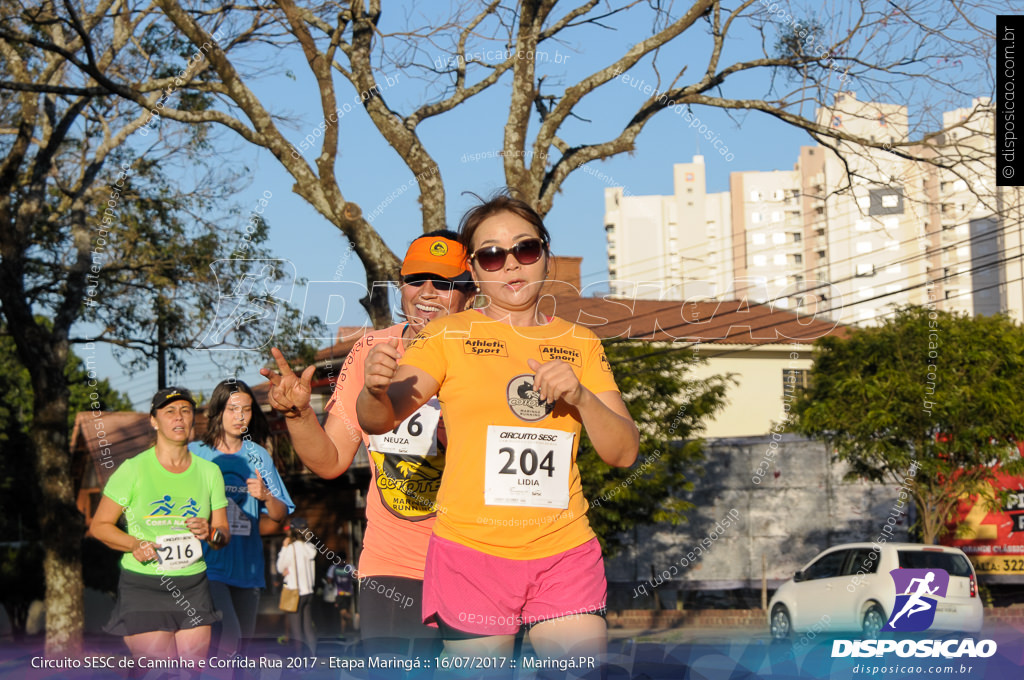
[
  {"x": 104, "y": 528},
  {"x": 328, "y": 453}
]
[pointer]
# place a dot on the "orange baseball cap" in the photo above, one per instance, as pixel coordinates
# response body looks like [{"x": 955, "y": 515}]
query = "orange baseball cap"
[{"x": 437, "y": 255}]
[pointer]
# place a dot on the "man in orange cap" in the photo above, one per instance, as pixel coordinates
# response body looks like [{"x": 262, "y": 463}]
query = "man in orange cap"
[{"x": 405, "y": 465}]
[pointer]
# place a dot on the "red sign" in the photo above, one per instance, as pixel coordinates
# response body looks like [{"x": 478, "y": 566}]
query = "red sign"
[{"x": 994, "y": 540}]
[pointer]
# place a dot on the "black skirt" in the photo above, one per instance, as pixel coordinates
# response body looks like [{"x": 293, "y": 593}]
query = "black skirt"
[{"x": 167, "y": 603}]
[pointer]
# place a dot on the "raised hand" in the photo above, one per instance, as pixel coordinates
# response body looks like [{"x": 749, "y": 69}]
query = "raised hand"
[
  {"x": 258, "y": 488},
  {"x": 380, "y": 366},
  {"x": 290, "y": 393},
  {"x": 555, "y": 380}
]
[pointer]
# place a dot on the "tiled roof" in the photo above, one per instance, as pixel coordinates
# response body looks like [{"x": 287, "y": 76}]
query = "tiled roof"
[{"x": 725, "y": 322}]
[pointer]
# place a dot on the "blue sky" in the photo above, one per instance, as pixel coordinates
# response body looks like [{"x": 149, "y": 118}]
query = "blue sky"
[{"x": 369, "y": 170}]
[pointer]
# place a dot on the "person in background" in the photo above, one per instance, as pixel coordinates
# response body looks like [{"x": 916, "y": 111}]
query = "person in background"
[
  {"x": 258, "y": 502},
  {"x": 296, "y": 563},
  {"x": 340, "y": 580},
  {"x": 405, "y": 470},
  {"x": 172, "y": 502}
]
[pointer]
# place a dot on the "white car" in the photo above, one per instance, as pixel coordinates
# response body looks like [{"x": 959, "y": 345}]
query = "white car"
[{"x": 849, "y": 588}]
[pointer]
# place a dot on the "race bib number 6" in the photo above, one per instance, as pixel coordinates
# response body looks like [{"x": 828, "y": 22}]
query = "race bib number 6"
[
  {"x": 178, "y": 551},
  {"x": 414, "y": 436},
  {"x": 527, "y": 466}
]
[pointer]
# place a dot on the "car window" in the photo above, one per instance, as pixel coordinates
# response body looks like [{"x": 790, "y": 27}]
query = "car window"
[
  {"x": 864, "y": 561},
  {"x": 956, "y": 565},
  {"x": 827, "y": 566}
]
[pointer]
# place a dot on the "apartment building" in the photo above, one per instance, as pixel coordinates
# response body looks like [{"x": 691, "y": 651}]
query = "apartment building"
[{"x": 846, "y": 233}]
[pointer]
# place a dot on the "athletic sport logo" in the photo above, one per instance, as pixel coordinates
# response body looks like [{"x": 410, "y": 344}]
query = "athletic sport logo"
[{"x": 917, "y": 591}]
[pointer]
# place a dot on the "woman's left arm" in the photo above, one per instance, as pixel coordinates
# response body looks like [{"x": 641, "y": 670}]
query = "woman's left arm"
[{"x": 610, "y": 427}]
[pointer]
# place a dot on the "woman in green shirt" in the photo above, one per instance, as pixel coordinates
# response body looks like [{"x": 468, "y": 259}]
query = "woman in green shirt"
[{"x": 171, "y": 501}]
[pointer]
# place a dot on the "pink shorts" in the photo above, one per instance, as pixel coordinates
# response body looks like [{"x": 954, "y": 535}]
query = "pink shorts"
[{"x": 482, "y": 594}]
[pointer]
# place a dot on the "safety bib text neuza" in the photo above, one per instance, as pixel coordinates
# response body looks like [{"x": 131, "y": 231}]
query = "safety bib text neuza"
[{"x": 414, "y": 436}]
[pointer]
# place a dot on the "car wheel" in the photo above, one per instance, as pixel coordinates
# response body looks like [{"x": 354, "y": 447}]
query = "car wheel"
[
  {"x": 873, "y": 622},
  {"x": 780, "y": 624}
]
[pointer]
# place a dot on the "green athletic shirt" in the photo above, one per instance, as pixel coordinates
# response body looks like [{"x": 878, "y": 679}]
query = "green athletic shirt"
[{"x": 157, "y": 503}]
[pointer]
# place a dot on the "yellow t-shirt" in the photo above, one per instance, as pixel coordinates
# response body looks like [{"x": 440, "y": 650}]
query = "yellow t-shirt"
[{"x": 511, "y": 487}]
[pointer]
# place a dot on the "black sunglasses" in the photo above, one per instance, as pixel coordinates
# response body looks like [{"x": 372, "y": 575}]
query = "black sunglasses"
[
  {"x": 438, "y": 282},
  {"x": 492, "y": 258}
]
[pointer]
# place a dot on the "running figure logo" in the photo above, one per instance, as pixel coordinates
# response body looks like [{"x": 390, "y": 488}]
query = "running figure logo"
[
  {"x": 163, "y": 506},
  {"x": 917, "y": 591},
  {"x": 191, "y": 509}
]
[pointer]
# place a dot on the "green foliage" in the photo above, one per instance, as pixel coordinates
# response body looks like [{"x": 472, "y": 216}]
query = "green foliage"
[
  {"x": 17, "y": 497},
  {"x": 21, "y": 573},
  {"x": 669, "y": 409},
  {"x": 933, "y": 389},
  {"x": 21, "y": 580}
]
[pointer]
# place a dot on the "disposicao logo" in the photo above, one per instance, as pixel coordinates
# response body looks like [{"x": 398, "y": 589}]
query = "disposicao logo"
[
  {"x": 917, "y": 591},
  {"x": 917, "y": 595}
]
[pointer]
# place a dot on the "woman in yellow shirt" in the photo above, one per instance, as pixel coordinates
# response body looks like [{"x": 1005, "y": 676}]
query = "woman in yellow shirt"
[{"x": 512, "y": 545}]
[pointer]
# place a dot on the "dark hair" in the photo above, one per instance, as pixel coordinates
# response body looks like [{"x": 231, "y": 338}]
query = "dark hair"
[
  {"x": 499, "y": 203},
  {"x": 443, "y": 233},
  {"x": 259, "y": 428}
]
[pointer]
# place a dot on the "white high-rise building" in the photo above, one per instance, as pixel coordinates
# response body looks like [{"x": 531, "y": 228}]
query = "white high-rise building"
[
  {"x": 670, "y": 247},
  {"x": 846, "y": 235}
]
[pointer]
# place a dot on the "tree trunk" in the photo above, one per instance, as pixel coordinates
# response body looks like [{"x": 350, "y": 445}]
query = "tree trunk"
[{"x": 60, "y": 523}]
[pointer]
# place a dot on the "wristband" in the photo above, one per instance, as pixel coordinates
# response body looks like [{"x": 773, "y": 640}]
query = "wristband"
[{"x": 216, "y": 537}]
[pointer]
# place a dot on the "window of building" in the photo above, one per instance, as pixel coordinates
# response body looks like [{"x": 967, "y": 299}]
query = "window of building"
[
  {"x": 780, "y": 281},
  {"x": 837, "y": 121},
  {"x": 776, "y": 216},
  {"x": 755, "y": 217},
  {"x": 780, "y": 258},
  {"x": 778, "y": 194},
  {"x": 863, "y": 247},
  {"x": 757, "y": 238},
  {"x": 760, "y": 260},
  {"x": 797, "y": 237},
  {"x": 794, "y": 379},
  {"x": 778, "y": 237},
  {"x": 864, "y": 292},
  {"x": 755, "y": 195},
  {"x": 892, "y": 245},
  {"x": 959, "y": 185},
  {"x": 891, "y": 223},
  {"x": 865, "y": 269},
  {"x": 890, "y": 200},
  {"x": 798, "y": 258},
  {"x": 893, "y": 269},
  {"x": 862, "y": 225}
]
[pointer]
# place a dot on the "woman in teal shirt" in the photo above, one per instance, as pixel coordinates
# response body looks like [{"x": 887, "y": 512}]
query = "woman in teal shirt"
[
  {"x": 172, "y": 502},
  {"x": 235, "y": 434}
]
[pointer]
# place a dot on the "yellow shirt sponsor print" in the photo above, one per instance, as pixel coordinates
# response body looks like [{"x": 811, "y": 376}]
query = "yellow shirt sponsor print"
[{"x": 408, "y": 485}]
